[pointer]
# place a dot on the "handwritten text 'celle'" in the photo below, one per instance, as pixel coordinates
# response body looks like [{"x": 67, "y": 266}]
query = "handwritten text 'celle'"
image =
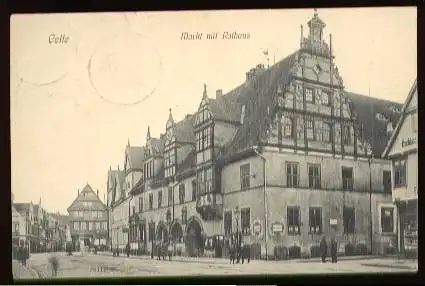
[{"x": 214, "y": 36}]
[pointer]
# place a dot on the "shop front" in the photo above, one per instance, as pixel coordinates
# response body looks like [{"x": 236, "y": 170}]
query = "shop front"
[{"x": 408, "y": 228}]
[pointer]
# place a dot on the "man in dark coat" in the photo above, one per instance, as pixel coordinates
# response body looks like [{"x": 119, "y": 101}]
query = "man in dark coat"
[
  {"x": 232, "y": 253},
  {"x": 334, "y": 250},
  {"x": 127, "y": 249},
  {"x": 323, "y": 249}
]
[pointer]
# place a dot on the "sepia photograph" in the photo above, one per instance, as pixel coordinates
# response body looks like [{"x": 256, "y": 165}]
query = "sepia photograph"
[{"x": 232, "y": 142}]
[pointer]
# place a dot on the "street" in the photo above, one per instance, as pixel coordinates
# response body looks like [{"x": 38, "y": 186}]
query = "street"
[{"x": 89, "y": 265}]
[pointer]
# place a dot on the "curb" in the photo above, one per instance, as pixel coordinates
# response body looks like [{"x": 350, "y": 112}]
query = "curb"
[
  {"x": 404, "y": 267},
  {"x": 225, "y": 261}
]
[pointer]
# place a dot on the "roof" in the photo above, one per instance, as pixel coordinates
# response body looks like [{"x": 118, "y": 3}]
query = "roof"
[
  {"x": 157, "y": 145},
  {"x": 371, "y": 129},
  {"x": 136, "y": 156},
  {"x": 62, "y": 219},
  {"x": 22, "y": 207},
  {"x": 258, "y": 100},
  {"x": 401, "y": 119},
  {"x": 86, "y": 195},
  {"x": 183, "y": 130}
]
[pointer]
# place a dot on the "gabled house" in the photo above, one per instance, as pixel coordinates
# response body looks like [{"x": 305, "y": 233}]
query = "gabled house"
[
  {"x": 88, "y": 219},
  {"x": 402, "y": 150}
]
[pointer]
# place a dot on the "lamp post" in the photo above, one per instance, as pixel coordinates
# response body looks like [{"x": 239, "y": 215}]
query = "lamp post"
[
  {"x": 237, "y": 213},
  {"x": 265, "y": 197},
  {"x": 129, "y": 216},
  {"x": 370, "y": 204}
]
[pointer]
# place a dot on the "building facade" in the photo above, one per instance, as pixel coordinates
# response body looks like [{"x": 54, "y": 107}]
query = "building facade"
[
  {"x": 88, "y": 220},
  {"x": 402, "y": 150},
  {"x": 278, "y": 162}
]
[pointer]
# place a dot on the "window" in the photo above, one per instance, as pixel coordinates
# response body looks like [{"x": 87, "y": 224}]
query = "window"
[
  {"x": 94, "y": 214},
  {"x": 151, "y": 231},
  {"x": 90, "y": 225},
  {"x": 309, "y": 95},
  {"x": 414, "y": 122},
  {"x": 76, "y": 226},
  {"x": 83, "y": 226},
  {"x": 325, "y": 98},
  {"x": 204, "y": 181},
  {"x": 159, "y": 199},
  {"x": 170, "y": 196},
  {"x": 104, "y": 225},
  {"x": 287, "y": 127},
  {"x": 227, "y": 222},
  {"x": 184, "y": 215},
  {"x": 314, "y": 176},
  {"x": 315, "y": 220},
  {"x": 245, "y": 220},
  {"x": 386, "y": 180},
  {"x": 387, "y": 219},
  {"x": 294, "y": 222},
  {"x": 292, "y": 175},
  {"x": 399, "y": 173},
  {"x": 150, "y": 201},
  {"x": 310, "y": 129},
  {"x": 181, "y": 193},
  {"x": 349, "y": 220},
  {"x": 245, "y": 176},
  {"x": 326, "y": 132},
  {"x": 140, "y": 204},
  {"x": 347, "y": 135},
  {"x": 16, "y": 226},
  {"x": 194, "y": 190},
  {"x": 204, "y": 138},
  {"x": 169, "y": 162},
  {"x": 347, "y": 179}
]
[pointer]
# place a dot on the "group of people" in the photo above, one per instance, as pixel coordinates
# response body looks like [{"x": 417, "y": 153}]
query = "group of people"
[
  {"x": 333, "y": 250},
  {"x": 239, "y": 252}
]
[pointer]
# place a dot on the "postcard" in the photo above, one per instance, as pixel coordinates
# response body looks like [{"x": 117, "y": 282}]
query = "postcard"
[{"x": 214, "y": 142}]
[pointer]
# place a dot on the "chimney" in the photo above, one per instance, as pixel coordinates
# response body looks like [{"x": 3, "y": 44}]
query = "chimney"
[
  {"x": 97, "y": 192},
  {"x": 218, "y": 93},
  {"x": 78, "y": 191},
  {"x": 187, "y": 116}
]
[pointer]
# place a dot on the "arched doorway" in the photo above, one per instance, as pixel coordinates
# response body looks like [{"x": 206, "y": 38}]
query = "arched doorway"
[
  {"x": 162, "y": 233},
  {"x": 177, "y": 232},
  {"x": 194, "y": 241}
]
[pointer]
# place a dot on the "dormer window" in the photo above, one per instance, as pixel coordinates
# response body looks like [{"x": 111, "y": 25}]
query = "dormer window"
[{"x": 309, "y": 95}]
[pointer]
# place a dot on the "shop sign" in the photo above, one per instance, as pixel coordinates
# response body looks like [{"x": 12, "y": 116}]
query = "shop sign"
[
  {"x": 333, "y": 222},
  {"x": 277, "y": 227},
  {"x": 408, "y": 142}
]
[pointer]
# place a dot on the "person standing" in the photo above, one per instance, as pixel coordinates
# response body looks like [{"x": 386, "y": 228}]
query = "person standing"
[
  {"x": 334, "y": 250},
  {"x": 127, "y": 249},
  {"x": 323, "y": 249}
]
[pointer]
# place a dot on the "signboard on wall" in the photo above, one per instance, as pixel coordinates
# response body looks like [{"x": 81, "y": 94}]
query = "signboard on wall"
[
  {"x": 257, "y": 228},
  {"x": 277, "y": 227}
]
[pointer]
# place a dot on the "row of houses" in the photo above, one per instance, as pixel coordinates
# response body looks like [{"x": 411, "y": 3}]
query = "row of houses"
[
  {"x": 283, "y": 159},
  {"x": 36, "y": 228}
]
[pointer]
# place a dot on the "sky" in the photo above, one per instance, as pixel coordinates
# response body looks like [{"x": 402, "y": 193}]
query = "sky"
[{"x": 83, "y": 85}]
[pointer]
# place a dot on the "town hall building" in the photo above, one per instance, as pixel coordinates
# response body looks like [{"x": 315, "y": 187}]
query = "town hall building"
[{"x": 278, "y": 162}]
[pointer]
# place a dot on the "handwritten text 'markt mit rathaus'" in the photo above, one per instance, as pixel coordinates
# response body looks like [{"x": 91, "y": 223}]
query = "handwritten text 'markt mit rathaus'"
[{"x": 214, "y": 36}]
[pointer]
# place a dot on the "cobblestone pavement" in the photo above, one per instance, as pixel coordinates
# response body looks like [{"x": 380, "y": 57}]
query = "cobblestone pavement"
[
  {"x": 22, "y": 272},
  {"x": 88, "y": 265}
]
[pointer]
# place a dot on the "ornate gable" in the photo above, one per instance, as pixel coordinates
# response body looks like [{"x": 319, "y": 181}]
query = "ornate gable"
[{"x": 204, "y": 112}]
